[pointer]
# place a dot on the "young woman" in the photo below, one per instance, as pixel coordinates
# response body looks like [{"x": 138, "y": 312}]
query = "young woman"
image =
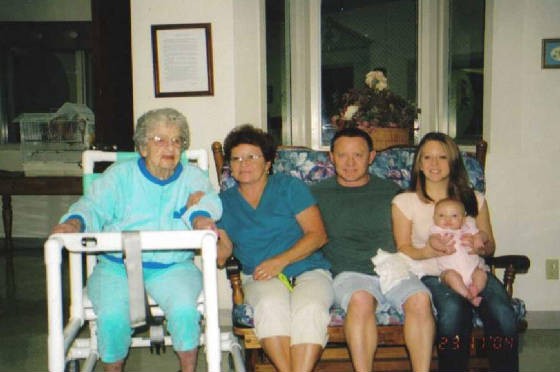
[{"x": 438, "y": 173}]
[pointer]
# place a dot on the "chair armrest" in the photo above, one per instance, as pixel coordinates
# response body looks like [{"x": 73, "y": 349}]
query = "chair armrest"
[
  {"x": 218, "y": 153},
  {"x": 480, "y": 154},
  {"x": 512, "y": 265},
  {"x": 233, "y": 270}
]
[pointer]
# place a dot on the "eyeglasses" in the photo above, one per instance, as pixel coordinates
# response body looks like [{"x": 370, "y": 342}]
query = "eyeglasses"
[
  {"x": 174, "y": 141},
  {"x": 247, "y": 158}
]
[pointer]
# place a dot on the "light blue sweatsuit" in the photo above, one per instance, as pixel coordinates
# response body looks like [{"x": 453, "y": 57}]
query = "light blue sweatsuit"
[{"x": 127, "y": 197}]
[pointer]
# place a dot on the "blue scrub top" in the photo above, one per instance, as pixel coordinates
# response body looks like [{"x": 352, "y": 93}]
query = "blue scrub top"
[{"x": 271, "y": 228}]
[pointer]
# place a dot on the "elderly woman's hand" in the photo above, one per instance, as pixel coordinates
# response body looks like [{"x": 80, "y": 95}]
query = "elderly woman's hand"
[
  {"x": 204, "y": 223},
  {"x": 442, "y": 245},
  {"x": 194, "y": 198},
  {"x": 71, "y": 226}
]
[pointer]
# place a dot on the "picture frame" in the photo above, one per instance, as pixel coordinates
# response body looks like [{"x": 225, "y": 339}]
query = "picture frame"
[
  {"x": 182, "y": 58},
  {"x": 551, "y": 53}
]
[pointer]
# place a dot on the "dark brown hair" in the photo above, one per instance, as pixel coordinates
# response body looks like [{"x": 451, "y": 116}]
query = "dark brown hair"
[
  {"x": 247, "y": 134},
  {"x": 459, "y": 187},
  {"x": 352, "y": 132}
]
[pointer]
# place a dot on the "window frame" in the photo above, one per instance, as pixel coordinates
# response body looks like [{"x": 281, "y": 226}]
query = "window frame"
[{"x": 305, "y": 73}]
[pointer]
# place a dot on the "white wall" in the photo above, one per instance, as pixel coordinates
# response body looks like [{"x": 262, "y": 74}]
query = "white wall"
[
  {"x": 521, "y": 113},
  {"x": 238, "y": 74}
]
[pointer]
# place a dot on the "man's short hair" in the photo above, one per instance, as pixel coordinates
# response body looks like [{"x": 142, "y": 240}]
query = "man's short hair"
[{"x": 352, "y": 132}]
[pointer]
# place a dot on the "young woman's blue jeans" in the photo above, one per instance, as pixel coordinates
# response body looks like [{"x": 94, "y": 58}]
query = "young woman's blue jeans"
[{"x": 454, "y": 326}]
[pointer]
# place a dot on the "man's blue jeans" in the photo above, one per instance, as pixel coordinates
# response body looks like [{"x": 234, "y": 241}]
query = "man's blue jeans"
[{"x": 454, "y": 326}]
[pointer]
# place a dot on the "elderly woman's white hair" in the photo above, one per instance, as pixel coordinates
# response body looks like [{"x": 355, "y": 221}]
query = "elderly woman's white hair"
[{"x": 152, "y": 118}]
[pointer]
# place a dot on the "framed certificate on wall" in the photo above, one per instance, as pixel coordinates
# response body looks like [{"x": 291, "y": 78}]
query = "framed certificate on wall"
[{"x": 182, "y": 57}]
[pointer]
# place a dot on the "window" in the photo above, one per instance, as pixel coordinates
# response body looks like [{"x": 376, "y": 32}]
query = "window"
[
  {"x": 277, "y": 67},
  {"x": 358, "y": 36},
  {"x": 432, "y": 51},
  {"x": 42, "y": 66},
  {"x": 466, "y": 70}
]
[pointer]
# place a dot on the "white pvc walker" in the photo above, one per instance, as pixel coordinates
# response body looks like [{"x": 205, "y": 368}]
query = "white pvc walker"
[
  {"x": 62, "y": 342},
  {"x": 64, "y": 345}
]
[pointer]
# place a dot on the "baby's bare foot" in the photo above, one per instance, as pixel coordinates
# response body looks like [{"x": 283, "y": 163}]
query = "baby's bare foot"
[
  {"x": 476, "y": 301},
  {"x": 473, "y": 290}
]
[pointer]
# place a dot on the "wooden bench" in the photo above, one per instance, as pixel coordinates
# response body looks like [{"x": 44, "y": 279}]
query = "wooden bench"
[{"x": 391, "y": 354}]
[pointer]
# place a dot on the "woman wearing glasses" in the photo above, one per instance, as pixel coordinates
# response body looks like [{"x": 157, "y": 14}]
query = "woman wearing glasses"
[
  {"x": 147, "y": 193},
  {"x": 275, "y": 229}
]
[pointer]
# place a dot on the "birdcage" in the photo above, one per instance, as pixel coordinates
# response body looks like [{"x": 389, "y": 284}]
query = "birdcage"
[{"x": 52, "y": 143}]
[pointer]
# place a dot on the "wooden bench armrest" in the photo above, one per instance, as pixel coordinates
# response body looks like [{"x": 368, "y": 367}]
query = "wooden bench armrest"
[
  {"x": 233, "y": 271},
  {"x": 512, "y": 265},
  {"x": 480, "y": 152},
  {"x": 218, "y": 153}
]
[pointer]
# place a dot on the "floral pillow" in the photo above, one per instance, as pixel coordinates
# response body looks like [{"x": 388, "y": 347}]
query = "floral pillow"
[
  {"x": 308, "y": 165},
  {"x": 226, "y": 180},
  {"x": 395, "y": 164}
]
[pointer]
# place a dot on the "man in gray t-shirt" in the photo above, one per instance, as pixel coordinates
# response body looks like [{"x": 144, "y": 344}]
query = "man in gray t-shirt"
[{"x": 356, "y": 209}]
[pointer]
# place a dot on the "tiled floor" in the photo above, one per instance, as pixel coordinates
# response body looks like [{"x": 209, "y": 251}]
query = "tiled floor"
[{"x": 23, "y": 329}]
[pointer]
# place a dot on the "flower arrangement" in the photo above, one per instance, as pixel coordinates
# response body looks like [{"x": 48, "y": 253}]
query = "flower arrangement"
[{"x": 374, "y": 106}]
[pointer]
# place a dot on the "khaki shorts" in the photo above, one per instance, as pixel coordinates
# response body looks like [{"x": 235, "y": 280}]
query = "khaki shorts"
[{"x": 303, "y": 315}]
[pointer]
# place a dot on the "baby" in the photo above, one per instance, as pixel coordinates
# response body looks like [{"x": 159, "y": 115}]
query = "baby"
[{"x": 463, "y": 272}]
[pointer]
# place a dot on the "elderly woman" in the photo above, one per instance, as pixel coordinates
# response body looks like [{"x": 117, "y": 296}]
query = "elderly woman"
[
  {"x": 274, "y": 227},
  {"x": 147, "y": 193}
]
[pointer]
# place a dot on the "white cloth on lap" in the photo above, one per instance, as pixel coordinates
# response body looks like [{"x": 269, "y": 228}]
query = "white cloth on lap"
[
  {"x": 392, "y": 268},
  {"x": 421, "y": 268}
]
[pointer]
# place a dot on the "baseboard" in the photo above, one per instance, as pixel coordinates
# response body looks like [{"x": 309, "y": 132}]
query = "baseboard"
[{"x": 543, "y": 319}]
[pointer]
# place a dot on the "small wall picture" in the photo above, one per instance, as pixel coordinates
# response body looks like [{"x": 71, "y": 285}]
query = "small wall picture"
[{"x": 551, "y": 53}]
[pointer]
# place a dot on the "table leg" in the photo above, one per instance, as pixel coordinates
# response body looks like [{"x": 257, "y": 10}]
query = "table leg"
[{"x": 8, "y": 245}]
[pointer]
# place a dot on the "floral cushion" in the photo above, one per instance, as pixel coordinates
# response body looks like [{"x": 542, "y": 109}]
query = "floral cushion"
[
  {"x": 386, "y": 315},
  {"x": 313, "y": 166}
]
